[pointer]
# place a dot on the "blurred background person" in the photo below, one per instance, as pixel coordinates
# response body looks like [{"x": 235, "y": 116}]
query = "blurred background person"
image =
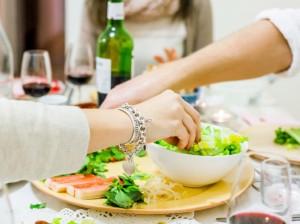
[{"x": 179, "y": 26}]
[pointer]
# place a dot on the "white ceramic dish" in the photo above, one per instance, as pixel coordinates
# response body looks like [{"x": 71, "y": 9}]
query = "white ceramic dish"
[
  {"x": 193, "y": 170},
  {"x": 54, "y": 99}
]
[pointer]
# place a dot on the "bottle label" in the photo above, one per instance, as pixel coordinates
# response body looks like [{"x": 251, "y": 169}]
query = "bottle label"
[
  {"x": 115, "y": 11},
  {"x": 103, "y": 74}
]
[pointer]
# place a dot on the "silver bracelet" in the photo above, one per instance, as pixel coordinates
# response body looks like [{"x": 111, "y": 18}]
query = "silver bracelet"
[{"x": 137, "y": 141}]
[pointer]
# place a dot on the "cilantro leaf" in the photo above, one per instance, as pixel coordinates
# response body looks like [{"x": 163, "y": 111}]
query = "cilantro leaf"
[{"x": 38, "y": 206}]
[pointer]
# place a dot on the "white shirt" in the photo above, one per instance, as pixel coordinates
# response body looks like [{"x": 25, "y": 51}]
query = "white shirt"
[
  {"x": 288, "y": 23},
  {"x": 39, "y": 141}
]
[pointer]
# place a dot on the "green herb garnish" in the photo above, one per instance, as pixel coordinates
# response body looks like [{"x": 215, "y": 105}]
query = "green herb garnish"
[
  {"x": 137, "y": 175},
  {"x": 123, "y": 193},
  {"x": 288, "y": 137},
  {"x": 38, "y": 206},
  {"x": 95, "y": 163},
  {"x": 214, "y": 142}
]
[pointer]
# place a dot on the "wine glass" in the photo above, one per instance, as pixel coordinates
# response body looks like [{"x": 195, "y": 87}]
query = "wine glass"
[
  {"x": 273, "y": 206},
  {"x": 6, "y": 65},
  {"x": 6, "y": 211},
  {"x": 255, "y": 100},
  {"x": 36, "y": 74},
  {"x": 79, "y": 66}
]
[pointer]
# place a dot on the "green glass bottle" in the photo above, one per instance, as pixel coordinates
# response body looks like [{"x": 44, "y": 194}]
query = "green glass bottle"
[{"x": 114, "y": 60}]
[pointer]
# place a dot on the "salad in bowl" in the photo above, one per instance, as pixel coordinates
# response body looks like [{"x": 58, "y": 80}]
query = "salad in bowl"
[{"x": 206, "y": 162}]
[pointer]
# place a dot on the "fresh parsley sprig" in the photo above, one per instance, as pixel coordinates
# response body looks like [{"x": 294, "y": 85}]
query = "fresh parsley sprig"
[{"x": 123, "y": 193}]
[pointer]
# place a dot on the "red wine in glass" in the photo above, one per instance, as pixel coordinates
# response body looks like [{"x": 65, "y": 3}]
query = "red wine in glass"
[
  {"x": 80, "y": 78},
  {"x": 255, "y": 218},
  {"x": 36, "y": 89}
]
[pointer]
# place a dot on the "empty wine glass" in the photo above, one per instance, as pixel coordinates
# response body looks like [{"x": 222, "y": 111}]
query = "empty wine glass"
[
  {"x": 79, "y": 66},
  {"x": 269, "y": 81},
  {"x": 36, "y": 73},
  {"x": 273, "y": 206}
]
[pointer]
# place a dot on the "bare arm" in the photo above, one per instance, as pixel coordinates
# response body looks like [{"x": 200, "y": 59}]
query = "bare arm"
[
  {"x": 112, "y": 127},
  {"x": 107, "y": 128},
  {"x": 256, "y": 50}
]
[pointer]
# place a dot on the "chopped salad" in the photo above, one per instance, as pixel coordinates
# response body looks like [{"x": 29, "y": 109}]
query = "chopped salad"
[{"x": 215, "y": 141}]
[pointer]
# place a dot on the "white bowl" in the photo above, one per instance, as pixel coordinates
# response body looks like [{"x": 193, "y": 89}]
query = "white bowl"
[{"x": 193, "y": 170}]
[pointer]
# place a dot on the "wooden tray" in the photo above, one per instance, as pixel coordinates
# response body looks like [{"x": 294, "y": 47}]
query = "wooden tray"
[
  {"x": 261, "y": 143},
  {"x": 194, "y": 199}
]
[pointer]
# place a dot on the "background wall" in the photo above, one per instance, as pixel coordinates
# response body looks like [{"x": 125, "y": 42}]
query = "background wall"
[
  {"x": 229, "y": 16},
  {"x": 73, "y": 16}
]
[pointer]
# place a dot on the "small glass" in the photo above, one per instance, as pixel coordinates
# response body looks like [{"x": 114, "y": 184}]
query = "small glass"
[
  {"x": 274, "y": 203},
  {"x": 36, "y": 73},
  {"x": 6, "y": 211},
  {"x": 79, "y": 65}
]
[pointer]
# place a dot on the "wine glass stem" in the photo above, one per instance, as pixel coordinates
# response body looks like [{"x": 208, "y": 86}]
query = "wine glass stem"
[
  {"x": 79, "y": 94},
  {"x": 8, "y": 203}
]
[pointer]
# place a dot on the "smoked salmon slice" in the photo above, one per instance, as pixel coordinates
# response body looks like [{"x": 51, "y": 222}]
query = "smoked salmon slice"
[
  {"x": 80, "y": 186},
  {"x": 88, "y": 191},
  {"x": 59, "y": 184}
]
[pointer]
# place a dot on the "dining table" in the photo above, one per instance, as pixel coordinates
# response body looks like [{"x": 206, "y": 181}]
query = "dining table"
[{"x": 23, "y": 193}]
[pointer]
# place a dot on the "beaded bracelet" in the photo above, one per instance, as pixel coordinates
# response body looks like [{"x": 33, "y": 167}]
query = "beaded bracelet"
[{"x": 137, "y": 141}]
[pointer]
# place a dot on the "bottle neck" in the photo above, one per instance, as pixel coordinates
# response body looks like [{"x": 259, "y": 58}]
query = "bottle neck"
[{"x": 115, "y": 23}]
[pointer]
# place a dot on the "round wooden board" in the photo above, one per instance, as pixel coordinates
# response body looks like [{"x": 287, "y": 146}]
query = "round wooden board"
[
  {"x": 193, "y": 199},
  {"x": 261, "y": 143}
]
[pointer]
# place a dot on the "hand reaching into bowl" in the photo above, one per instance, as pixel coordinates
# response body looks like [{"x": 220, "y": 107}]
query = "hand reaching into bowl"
[{"x": 171, "y": 117}]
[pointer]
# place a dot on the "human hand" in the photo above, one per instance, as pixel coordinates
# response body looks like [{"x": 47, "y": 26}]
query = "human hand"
[
  {"x": 133, "y": 91},
  {"x": 171, "y": 116}
]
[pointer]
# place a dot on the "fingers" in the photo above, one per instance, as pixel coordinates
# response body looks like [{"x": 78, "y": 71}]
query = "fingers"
[
  {"x": 159, "y": 59},
  {"x": 192, "y": 129},
  {"x": 194, "y": 115},
  {"x": 188, "y": 121},
  {"x": 183, "y": 136}
]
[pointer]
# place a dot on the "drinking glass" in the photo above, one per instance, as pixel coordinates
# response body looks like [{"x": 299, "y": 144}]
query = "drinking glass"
[
  {"x": 255, "y": 100},
  {"x": 6, "y": 65},
  {"x": 6, "y": 211},
  {"x": 79, "y": 66},
  {"x": 36, "y": 74},
  {"x": 273, "y": 205}
]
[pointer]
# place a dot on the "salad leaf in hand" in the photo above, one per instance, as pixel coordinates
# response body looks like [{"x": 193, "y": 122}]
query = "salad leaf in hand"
[{"x": 123, "y": 193}]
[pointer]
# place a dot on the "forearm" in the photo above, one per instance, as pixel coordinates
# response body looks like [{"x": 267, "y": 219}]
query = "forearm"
[
  {"x": 254, "y": 51},
  {"x": 107, "y": 128},
  {"x": 38, "y": 141}
]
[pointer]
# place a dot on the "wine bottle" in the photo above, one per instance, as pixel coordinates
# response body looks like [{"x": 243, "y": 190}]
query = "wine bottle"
[{"x": 114, "y": 59}]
